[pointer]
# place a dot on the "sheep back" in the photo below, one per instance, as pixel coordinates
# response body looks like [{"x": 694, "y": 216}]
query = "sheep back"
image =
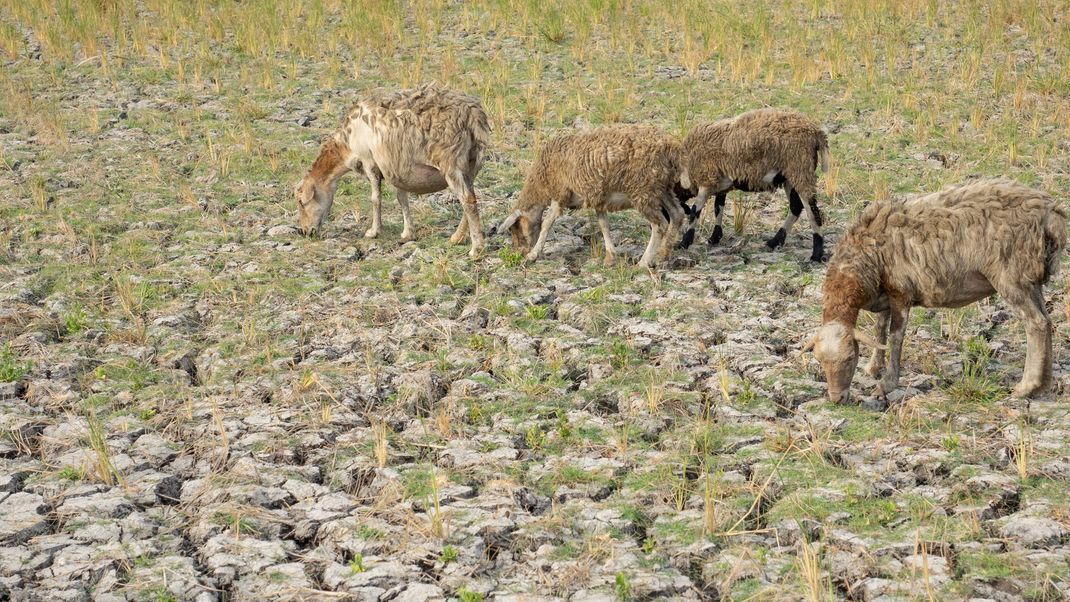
[
  {"x": 435, "y": 126},
  {"x": 927, "y": 246},
  {"x": 747, "y": 147},
  {"x": 640, "y": 161}
]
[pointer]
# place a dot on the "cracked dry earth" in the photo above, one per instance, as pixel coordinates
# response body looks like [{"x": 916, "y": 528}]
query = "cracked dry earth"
[
  {"x": 198, "y": 404},
  {"x": 399, "y": 423}
]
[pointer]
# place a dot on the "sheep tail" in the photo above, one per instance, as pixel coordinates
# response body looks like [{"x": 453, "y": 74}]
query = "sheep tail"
[
  {"x": 480, "y": 127},
  {"x": 1054, "y": 240},
  {"x": 823, "y": 152},
  {"x": 678, "y": 163}
]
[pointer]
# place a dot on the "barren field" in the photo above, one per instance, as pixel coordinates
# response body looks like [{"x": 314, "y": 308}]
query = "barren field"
[{"x": 197, "y": 403}]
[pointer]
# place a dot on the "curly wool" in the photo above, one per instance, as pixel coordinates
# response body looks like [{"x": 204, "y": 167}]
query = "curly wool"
[
  {"x": 924, "y": 249},
  {"x": 586, "y": 169},
  {"x": 747, "y": 147},
  {"x": 429, "y": 125}
]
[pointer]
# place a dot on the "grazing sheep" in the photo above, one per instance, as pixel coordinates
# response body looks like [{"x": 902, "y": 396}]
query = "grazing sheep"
[
  {"x": 609, "y": 168},
  {"x": 946, "y": 249},
  {"x": 757, "y": 151},
  {"x": 421, "y": 140}
]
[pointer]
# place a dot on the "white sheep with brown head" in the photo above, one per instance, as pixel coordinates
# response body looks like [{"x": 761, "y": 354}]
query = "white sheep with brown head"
[
  {"x": 946, "y": 249},
  {"x": 420, "y": 141}
]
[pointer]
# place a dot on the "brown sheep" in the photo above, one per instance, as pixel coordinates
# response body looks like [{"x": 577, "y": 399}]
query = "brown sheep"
[
  {"x": 757, "y": 151},
  {"x": 421, "y": 140},
  {"x": 946, "y": 249},
  {"x": 609, "y": 168}
]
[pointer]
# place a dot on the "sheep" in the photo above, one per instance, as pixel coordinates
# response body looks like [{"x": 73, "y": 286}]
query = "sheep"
[
  {"x": 946, "y": 249},
  {"x": 608, "y": 168},
  {"x": 756, "y": 151},
  {"x": 421, "y": 140}
]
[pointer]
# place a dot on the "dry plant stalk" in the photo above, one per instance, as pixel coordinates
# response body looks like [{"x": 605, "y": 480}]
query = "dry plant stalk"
[
  {"x": 98, "y": 442},
  {"x": 224, "y": 444},
  {"x": 379, "y": 433},
  {"x": 817, "y": 589}
]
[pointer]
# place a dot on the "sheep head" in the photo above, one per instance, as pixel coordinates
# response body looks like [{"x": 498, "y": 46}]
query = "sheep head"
[
  {"x": 313, "y": 204},
  {"x": 835, "y": 347},
  {"x": 523, "y": 225}
]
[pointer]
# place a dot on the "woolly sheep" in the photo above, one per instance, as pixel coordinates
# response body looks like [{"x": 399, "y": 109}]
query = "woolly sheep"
[
  {"x": 609, "y": 168},
  {"x": 756, "y": 151},
  {"x": 421, "y": 140},
  {"x": 945, "y": 249}
]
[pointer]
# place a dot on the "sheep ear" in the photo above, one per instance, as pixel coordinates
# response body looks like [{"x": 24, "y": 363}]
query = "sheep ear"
[
  {"x": 868, "y": 341},
  {"x": 809, "y": 346},
  {"x": 507, "y": 223}
]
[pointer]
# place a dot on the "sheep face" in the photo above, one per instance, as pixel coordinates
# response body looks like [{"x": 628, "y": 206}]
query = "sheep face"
[
  {"x": 313, "y": 205},
  {"x": 525, "y": 230},
  {"x": 836, "y": 349}
]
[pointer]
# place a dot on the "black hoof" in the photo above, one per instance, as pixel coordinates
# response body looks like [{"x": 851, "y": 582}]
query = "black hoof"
[
  {"x": 715, "y": 238},
  {"x": 819, "y": 249},
  {"x": 777, "y": 240},
  {"x": 687, "y": 240}
]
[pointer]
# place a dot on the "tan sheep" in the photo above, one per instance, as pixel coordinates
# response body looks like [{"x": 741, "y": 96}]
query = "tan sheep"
[
  {"x": 756, "y": 151},
  {"x": 420, "y": 140},
  {"x": 945, "y": 249},
  {"x": 609, "y": 168}
]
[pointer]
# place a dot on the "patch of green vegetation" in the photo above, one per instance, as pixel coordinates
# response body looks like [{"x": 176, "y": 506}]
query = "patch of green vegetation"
[
  {"x": 75, "y": 320},
  {"x": 745, "y": 589},
  {"x": 678, "y": 531},
  {"x": 535, "y": 437},
  {"x": 621, "y": 354},
  {"x": 449, "y": 554},
  {"x": 536, "y": 312},
  {"x": 467, "y": 595},
  {"x": 237, "y": 523},
  {"x": 70, "y": 473},
  {"x": 357, "y": 564},
  {"x": 986, "y": 565},
  {"x": 976, "y": 385},
  {"x": 127, "y": 373},
  {"x": 158, "y": 594},
  {"x": 369, "y": 533},
  {"x": 622, "y": 587},
  {"x": 11, "y": 369},
  {"x": 417, "y": 483},
  {"x": 510, "y": 257}
]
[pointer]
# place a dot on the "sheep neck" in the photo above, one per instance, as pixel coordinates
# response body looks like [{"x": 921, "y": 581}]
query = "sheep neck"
[
  {"x": 845, "y": 293},
  {"x": 330, "y": 164}
]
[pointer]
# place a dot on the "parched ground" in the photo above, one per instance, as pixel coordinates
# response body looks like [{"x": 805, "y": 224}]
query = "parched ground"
[{"x": 196, "y": 403}]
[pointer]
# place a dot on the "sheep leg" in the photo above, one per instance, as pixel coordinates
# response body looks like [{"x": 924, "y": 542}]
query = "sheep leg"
[
  {"x": 816, "y": 222},
  {"x": 461, "y": 185},
  {"x": 1028, "y": 302},
  {"x": 376, "y": 181},
  {"x": 718, "y": 214},
  {"x": 876, "y": 361},
  {"x": 1046, "y": 359},
  {"x": 611, "y": 251},
  {"x": 461, "y": 232},
  {"x": 547, "y": 223},
  {"x": 406, "y": 216},
  {"x": 696, "y": 213},
  {"x": 795, "y": 207},
  {"x": 897, "y": 328},
  {"x": 676, "y": 218},
  {"x": 658, "y": 224}
]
